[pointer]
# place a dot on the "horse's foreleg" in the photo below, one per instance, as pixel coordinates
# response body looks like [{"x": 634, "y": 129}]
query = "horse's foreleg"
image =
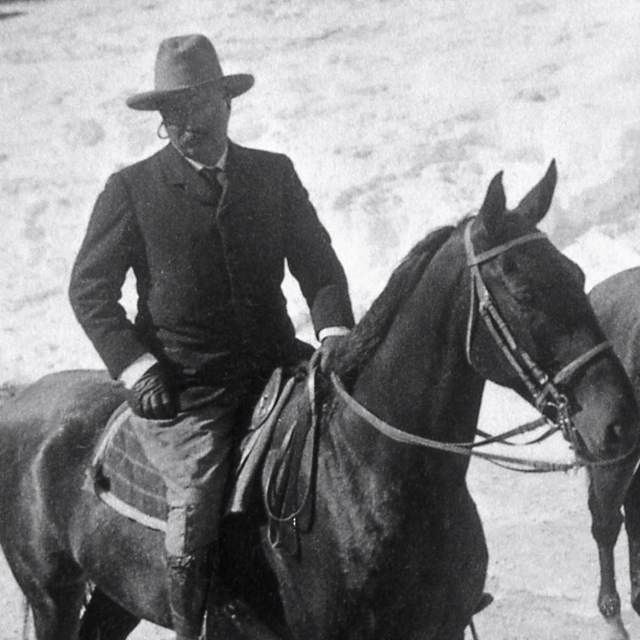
[
  {"x": 608, "y": 597},
  {"x": 605, "y": 529},
  {"x": 467, "y": 570},
  {"x": 605, "y": 537},
  {"x": 632, "y": 525}
]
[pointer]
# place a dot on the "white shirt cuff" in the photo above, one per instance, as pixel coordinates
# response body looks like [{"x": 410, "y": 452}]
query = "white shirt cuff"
[
  {"x": 329, "y": 332},
  {"x": 136, "y": 369}
]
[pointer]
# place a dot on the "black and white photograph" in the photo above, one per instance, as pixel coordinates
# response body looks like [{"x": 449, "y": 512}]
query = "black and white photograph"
[{"x": 319, "y": 320}]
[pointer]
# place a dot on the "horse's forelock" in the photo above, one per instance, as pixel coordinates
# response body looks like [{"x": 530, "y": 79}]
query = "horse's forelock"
[{"x": 372, "y": 329}]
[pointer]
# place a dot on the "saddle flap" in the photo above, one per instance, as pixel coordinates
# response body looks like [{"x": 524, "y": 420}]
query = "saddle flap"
[
  {"x": 267, "y": 400},
  {"x": 256, "y": 443},
  {"x": 289, "y": 471}
]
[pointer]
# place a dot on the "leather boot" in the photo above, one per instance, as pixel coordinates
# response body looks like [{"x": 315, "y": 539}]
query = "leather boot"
[{"x": 189, "y": 578}]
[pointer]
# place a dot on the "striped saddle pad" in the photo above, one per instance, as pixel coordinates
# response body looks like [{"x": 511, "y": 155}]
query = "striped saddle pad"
[{"x": 122, "y": 477}]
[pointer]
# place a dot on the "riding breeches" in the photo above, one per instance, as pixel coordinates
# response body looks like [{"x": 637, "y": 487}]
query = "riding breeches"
[{"x": 191, "y": 452}]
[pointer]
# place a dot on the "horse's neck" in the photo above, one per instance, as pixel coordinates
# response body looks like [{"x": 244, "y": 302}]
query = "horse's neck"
[
  {"x": 419, "y": 380},
  {"x": 444, "y": 409},
  {"x": 379, "y": 496}
]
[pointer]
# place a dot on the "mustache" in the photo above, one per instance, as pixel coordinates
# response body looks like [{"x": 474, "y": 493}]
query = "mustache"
[{"x": 194, "y": 132}]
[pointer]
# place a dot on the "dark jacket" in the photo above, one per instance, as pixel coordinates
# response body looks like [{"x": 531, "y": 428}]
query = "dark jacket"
[{"x": 208, "y": 275}]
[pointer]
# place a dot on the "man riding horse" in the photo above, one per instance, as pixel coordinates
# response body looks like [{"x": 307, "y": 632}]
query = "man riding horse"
[{"x": 206, "y": 226}]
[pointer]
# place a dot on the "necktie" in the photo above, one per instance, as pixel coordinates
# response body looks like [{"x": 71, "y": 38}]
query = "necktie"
[{"x": 212, "y": 176}]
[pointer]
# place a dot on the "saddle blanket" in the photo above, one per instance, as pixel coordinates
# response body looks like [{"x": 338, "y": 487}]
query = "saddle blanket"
[{"x": 123, "y": 478}]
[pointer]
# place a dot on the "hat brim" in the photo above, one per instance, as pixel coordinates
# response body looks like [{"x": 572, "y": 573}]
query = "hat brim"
[{"x": 235, "y": 84}]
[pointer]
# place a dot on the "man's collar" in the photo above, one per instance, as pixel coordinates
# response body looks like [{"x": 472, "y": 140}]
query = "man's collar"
[
  {"x": 239, "y": 170},
  {"x": 221, "y": 164}
]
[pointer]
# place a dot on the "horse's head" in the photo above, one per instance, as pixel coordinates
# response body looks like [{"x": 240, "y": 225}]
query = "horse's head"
[{"x": 532, "y": 328}]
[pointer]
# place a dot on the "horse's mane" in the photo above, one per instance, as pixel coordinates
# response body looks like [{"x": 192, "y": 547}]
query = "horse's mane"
[{"x": 374, "y": 325}]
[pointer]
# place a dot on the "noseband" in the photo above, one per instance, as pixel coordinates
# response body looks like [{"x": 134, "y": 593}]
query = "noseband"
[{"x": 544, "y": 389}]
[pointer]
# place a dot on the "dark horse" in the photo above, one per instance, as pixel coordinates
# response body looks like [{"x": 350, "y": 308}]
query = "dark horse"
[
  {"x": 397, "y": 548},
  {"x": 617, "y": 306}
]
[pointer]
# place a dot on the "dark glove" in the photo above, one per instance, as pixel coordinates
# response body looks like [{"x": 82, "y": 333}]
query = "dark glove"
[
  {"x": 152, "y": 396},
  {"x": 329, "y": 350}
]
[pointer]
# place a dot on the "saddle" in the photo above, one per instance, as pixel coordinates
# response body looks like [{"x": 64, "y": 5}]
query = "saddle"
[{"x": 276, "y": 454}]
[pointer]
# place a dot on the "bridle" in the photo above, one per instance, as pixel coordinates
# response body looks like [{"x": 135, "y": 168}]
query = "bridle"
[{"x": 545, "y": 389}]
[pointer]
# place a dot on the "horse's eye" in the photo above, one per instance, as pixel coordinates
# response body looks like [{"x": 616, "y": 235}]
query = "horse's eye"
[
  {"x": 522, "y": 293},
  {"x": 525, "y": 296}
]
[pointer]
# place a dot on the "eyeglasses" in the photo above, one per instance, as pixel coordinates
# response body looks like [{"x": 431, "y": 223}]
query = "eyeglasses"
[{"x": 179, "y": 114}]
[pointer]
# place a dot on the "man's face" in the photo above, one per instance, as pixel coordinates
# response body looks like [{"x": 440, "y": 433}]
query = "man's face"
[{"x": 197, "y": 124}]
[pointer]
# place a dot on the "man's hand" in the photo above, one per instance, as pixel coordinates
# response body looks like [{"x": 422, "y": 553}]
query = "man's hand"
[
  {"x": 329, "y": 349},
  {"x": 151, "y": 396}
]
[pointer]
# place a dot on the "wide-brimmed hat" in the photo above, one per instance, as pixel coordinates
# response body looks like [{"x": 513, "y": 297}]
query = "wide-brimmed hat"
[{"x": 185, "y": 63}]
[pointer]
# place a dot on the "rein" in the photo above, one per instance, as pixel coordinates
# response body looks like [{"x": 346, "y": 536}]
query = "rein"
[
  {"x": 463, "y": 448},
  {"x": 543, "y": 388}
]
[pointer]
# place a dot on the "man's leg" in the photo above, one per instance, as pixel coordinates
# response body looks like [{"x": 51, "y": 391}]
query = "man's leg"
[
  {"x": 191, "y": 452},
  {"x": 189, "y": 578}
]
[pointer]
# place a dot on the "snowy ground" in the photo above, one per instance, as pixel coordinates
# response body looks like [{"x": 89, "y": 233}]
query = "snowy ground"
[{"x": 396, "y": 114}]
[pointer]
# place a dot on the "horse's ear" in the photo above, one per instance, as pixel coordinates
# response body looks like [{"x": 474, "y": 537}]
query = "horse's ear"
[
  {"x": 536, "y": 203},
  {"x": 494, "y": 206}
]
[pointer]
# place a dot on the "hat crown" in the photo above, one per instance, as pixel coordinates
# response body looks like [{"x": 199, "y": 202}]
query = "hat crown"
[
  {"x": 186, "y": 61},
  {"x": 182, "y": 64}
]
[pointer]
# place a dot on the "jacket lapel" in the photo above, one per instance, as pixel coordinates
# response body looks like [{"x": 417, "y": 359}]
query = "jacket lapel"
[
  {"x": 236, "y": 178},
  {"x": 183, "y": 176}
]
